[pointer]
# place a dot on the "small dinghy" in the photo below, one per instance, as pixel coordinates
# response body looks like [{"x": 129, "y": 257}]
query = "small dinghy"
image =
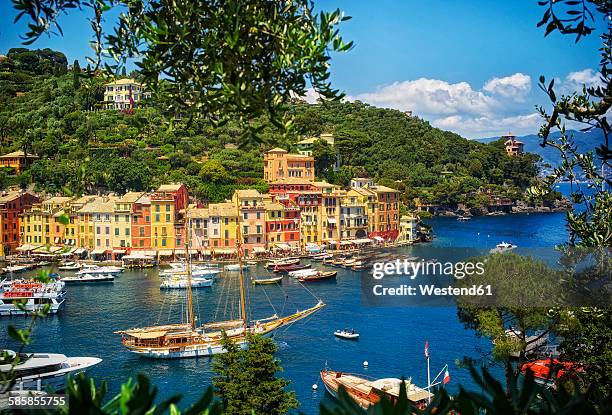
[
  {"x": 272, "y": 280},
  {"x": 347, "y": 334}
]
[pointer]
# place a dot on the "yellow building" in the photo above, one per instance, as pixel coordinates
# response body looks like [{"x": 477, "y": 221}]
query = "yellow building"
[
  {"x": 41, "y": 224},
  {"x": 329, "y": 219},
  {"x": 122, "y": 223},
  {"x": 166, "y": 205},
  {"x": 222, "y": 231},
  {"x": 123, "y": 94},
  {"x": 280, "y": 165},
  {"x": 353, "y": 217}
]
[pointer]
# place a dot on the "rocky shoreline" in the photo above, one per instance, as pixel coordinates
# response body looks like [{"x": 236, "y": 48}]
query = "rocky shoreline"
[{"x": 563, "y": 205}]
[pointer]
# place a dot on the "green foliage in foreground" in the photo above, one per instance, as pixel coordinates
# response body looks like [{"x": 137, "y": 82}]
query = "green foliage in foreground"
[{"x": 523, "y": 396}]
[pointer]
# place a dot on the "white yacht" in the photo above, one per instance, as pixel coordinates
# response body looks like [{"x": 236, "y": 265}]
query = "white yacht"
[
  {"x": 183, "y": 283},
  {"x": 96, "y": 269},
  {"x": 196, "y": 272},
  {"x": 35, "y": 294},
  {"x": 89, "y": 278},
  {"x": 69, "y": 266},
  {"x": 502, "y": 247},
  {"x": 235, "y": 267},
  {"x": 42, "y": 371},
  {"x": 303, "y": 272}
]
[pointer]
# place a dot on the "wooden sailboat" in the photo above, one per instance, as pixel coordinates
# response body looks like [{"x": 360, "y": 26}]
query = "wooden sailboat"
[{"x": 188, "y": 340}]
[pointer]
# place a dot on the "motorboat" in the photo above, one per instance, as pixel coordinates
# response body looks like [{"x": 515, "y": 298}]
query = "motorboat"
[
  {"x": 96, "y": 269},
  {"x": 89, "y": 278},
  {"x": 235, "y": 267},
  {"x": 303, "y": 272},
  {"x": 463, "y": 218},
  {"x": 43, "y": 371},
  {"x": 321, "y": 257},
  {"x": 69, "y": 266},
  {"x": 502, "y": 247},
  {"x": 34, "y": 293},
  {"x": 183, "y": 283},
  {"x": 282, "y": 262},
  {"x": 365, "y": 392},
  {"x": 195, "y": 272},
  {"x": 347, "y": 334}
]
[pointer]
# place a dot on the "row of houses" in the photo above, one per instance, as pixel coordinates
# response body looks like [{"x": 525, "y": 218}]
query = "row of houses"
[{"x": 294, "y": 215}]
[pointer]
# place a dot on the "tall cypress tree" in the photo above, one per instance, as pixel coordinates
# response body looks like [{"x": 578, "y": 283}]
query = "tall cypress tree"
[{"x": 76, "y": 74}]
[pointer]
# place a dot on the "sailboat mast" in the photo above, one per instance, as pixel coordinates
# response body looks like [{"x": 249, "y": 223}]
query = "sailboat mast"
[
  {"x": 190, "y": 316},
  {"x": 243, "y": 315}
]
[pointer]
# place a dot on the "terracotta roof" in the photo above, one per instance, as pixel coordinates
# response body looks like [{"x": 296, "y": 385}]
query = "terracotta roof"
[
  {"x": 172, "y": 187},
  {"x": 292, "y": 180},
  {"x": 274, "y": 206},
  {"x": 383, "y": 189},
  {"x": 57, "y": 200},
  {"x": 247, "y": 193},
  {"x": 277, "y": 150},
  {"x": 198, "y": 213},
  {"x": 222, "y": 209},
  {"x": 10, "y": 196},
  {"x": 18, "y": 153},
  {"x": 130, "y": 197}
]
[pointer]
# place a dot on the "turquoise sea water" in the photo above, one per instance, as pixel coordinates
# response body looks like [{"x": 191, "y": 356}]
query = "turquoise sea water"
[{"x": 392, "y": 339}]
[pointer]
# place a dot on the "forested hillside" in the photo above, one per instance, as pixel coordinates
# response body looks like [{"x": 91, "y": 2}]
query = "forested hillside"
[{"x": 54, "y": 112}]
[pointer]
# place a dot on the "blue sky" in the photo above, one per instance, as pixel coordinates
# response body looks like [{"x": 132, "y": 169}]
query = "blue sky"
[{"x": 466, "y": 66}]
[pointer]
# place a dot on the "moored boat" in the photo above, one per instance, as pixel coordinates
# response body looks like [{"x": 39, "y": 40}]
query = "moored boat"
[
  {"x": 235, "y": 267},
  {"x": 263, "y": 281},
  {"x": 547, "y": 371},
  {"x": 282, "y": 262},
  {"x": 369, "y": 392},
  {"x": 43, "y": 371},
  {"x": 321, "y": 257},
  {"x": 69, "y": 266},
  {"x": 502, "y": 247},
  {"x": 89, "y": 278},
  {"x": 319, "y": 276},
  {"x": 183, "y": 283},
  {"x": 347, "y": 334},
  {"x": 463, "y": 218},
  {"x": 35, "y": 294},
  {"x": 287, "y": 268},
  {"x": 96, "y": 269}
]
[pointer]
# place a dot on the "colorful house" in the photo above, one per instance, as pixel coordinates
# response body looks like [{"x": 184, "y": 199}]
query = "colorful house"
[
  {"x": 282, "y": 226},
  {"x": 331, "y": 199},
  {"x": 17, "y": 161},
  {"x": 124, "y": 94},
  {"x": 353, "y": 217},
  {"x": 250, "y": 205},
  {"x": 12, "y": 205},
  {"x": 280, "y": 165},
  {"x": 167, "y": 202},
  {"x": 222, "y": 228},
  {"x": 141, "y": 224}
]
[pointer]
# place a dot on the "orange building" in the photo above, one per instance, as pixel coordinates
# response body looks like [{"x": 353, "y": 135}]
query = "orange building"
[
  {"x": 12, "y": 204},
  {"x": 141, "y": 223},
  {"x": 280, "y": 165},
  {"x": 384, "y": 221},
  {"x": 17, "y": 160}
]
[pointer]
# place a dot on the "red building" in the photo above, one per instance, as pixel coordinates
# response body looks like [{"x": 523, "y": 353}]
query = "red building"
[{"x": 12, "y": 204}]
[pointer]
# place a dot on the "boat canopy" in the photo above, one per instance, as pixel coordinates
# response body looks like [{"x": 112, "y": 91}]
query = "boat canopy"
[
  {"x": 391, "y": 386},
  {"x": 147, "y": 334}
]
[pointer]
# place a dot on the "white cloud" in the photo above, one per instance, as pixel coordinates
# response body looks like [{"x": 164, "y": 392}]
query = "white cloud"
[
  {"x": 515, "y": 87},
  {"x": 586, "y": 77},
  {"x": 503, "y": 104},
  {"x": 430, "y": 96},
  {"x": 478, "y": 127}
]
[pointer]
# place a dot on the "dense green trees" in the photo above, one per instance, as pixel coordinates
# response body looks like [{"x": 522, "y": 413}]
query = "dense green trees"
[
  {"x": 246, "y": 380},
  {"x": 51, "y": 116}
]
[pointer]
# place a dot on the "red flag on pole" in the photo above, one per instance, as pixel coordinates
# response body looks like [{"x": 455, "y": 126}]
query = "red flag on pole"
[
  {"x": 426, "y": 349},
  {"x": 446, "y": 377}
]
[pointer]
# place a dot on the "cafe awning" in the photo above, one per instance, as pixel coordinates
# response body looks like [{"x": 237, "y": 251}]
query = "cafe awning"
[
  {"x": 98, "y": 251},
  {"x": 119, "y": 251},
  {"x": 379, "y": 238},
  {"x": 225, "y": 251},
  {"x": 25, "y": 248},
  {"x": 149, "y": 252},
  {"x": 259, "y": 249},
  {"x": 165, "y": 252},
  {"x": 362, "y": 241},
  {"x": 137, "y": 255},
  {"x": 80, "y": 251}
]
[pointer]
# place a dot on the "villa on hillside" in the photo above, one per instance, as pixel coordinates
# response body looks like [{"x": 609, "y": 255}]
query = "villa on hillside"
[
  {"x": 306, "y": 147},
  {"x": 17, "y": 160},
  {"x": 514, "y": 147},
  {"x": 124, "y": 94}
]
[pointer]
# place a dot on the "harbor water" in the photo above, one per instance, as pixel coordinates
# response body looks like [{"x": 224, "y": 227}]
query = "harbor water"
[{"x": 391, "y": 338}]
